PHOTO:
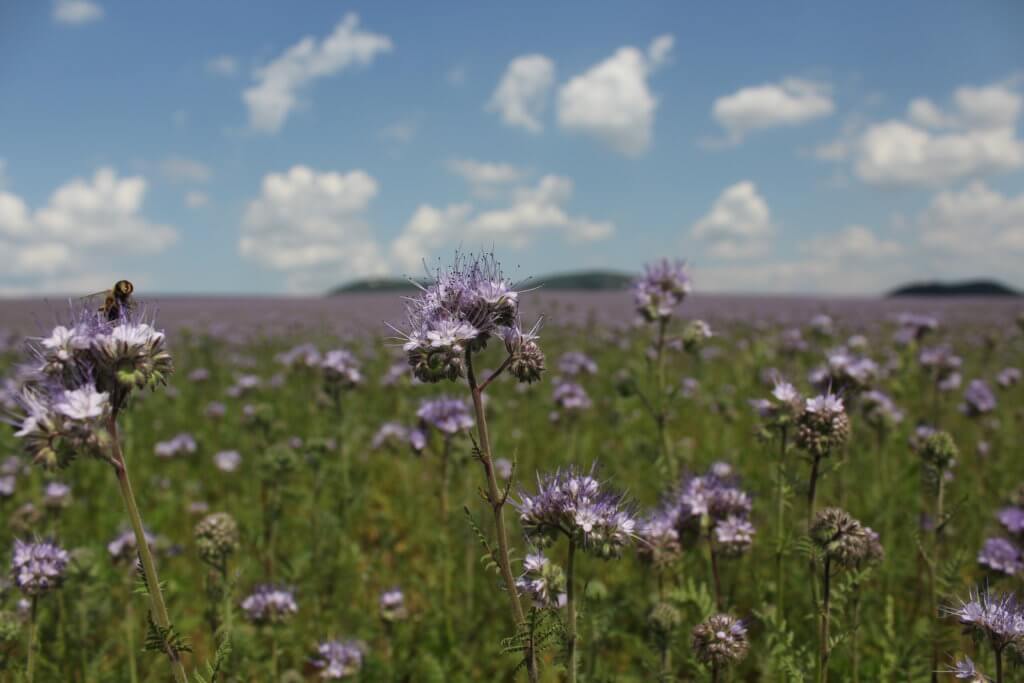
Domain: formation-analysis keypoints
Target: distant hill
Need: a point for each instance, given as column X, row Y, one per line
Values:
column 591, row 280
column 965, row 288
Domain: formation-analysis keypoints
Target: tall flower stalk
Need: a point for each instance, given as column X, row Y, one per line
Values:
column 456, row 314
column 79, row 382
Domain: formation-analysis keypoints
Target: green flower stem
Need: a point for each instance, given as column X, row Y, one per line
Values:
column 497, row 501
column 145, row 554
column 33, row 632
column 823, row 632
column 780, row 529
column 570, row 608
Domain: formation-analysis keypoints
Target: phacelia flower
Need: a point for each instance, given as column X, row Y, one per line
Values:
column 661, row 289
column 577, row 504
column 303, row 355
column 1001, row 556
column 8, row 484
column 695, row 335
column 574, row 363
column 227, row 461
column 965, row 670
column 842, row 538
column 658, row 537
column 445, row 414
column 341, row 369
column 1008, row 377
column 526, row 359
column 879, row 410
column 720, row 640
column 1013, row 519
column 123, row 548
column 823, row 425
column 734, row 535
column 270, row 604
column 337, row 659
column 392, row 605
column 183, row 443
column 978, row 399
column 56, row 424
column 56, row 495
column 570, row 397
column 217, row 538
column 996, row 617
column 542, row 580
column 37, row 568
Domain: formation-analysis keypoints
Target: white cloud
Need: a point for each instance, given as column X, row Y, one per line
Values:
column 182, row 170
column 84, row 222
column 852, row 242
column 534, row 213
column 522, row 94
column 223, row 65
column 275, row 94
column 76, row 11
column 486, row 179
column 311, row 224
column 400, row 131
column 196, row 200
column 976, row 137
column 456, row 76
column 738, row 224
column 974, row 221
column 790, row 102
column 612, row 102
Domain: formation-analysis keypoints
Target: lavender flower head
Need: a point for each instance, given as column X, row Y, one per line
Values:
column 1001, row 556
column 996, row 617
column 56, row 495
column 37, row 568
column 1008, row 377
column 570, row 397
column 1013, row 519
column 390, row 433
column 578, row 505
column 662, row 288
column 227, row 461
column 879, row 410
column 965, row 670
column 337, row 659
column 341, row 369
column 270, row 604
column 823, row 425
column 658, row 537
column 734, row 535
column 123, row 548
column 781, row 408
column 720, row 640
column 978, row 399
column 573, row 363
column 392, row 605
column 178, row 444
column 445, row 414
column 8, row 483
column 542, row 580
column 458, row 311
column 56, row 424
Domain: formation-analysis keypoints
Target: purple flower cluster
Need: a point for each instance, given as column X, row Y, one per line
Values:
column 183, row 443
column 445, row 414
column 579, row 506
column 123, row 548
column 337, row 659
column 227, row 461
column 341, row 369
column 542, row 580
column 943, row 364
column 303, row 355
column 714, row 504
column 823, row 425
column 458, row 312
column 573, row 363
column 965, row 670
column 392, row 605
column 998, row 618
column 1013, row 519
column 570, row 397
column 38, row 567
column 914, row 326
column 1008, row 377
column 270, row 604
column 781, row 408
column 661, row 289
column 879, row 410
column 1000, row 555
column 978, row 399
column 845, row 372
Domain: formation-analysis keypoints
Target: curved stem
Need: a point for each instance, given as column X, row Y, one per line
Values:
column 156, row 597
column 823, row 647
column 570, row 606
column 497, row 500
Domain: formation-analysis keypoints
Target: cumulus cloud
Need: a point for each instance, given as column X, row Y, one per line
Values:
column 83, row 221
column 852, row 242
column 196, row 200
column 522, row 94
column 791, row 102
column 533, row 213
column 975, row 136
column 182, row 170
column 307, row 222
column 612, row 102
column 486, row 179
column 223, row 65
column 974, row 221
column 275, row 93
column 738, row 224
column 76, row 11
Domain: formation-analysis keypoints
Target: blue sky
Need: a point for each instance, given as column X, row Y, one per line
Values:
column 243, row 147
